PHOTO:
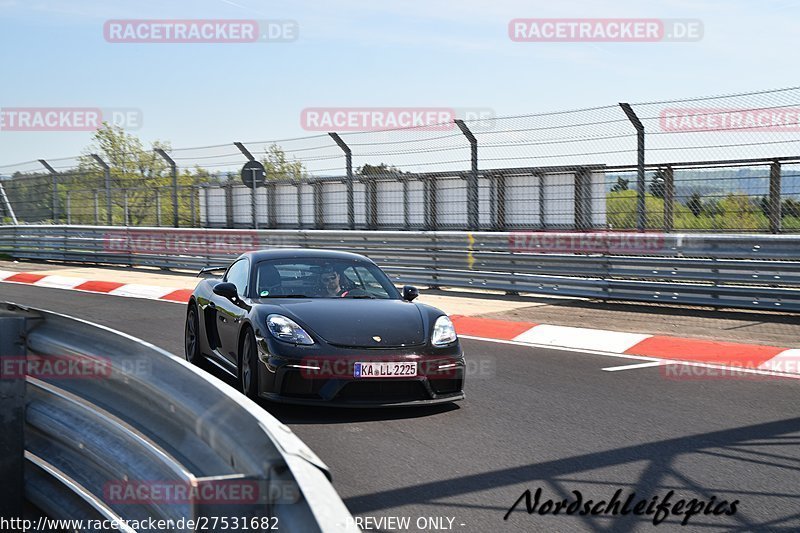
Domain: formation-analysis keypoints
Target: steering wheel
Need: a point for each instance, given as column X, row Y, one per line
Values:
column 354, row 292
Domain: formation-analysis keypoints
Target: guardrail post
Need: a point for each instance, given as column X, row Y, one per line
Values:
column 54, row 188
column 174, row 168
column 472, row 180
column 641, row 215
column 107, row 173
column 775, row 214
column 669, row 199
column 348, row 157
column 583, row 199
column 12, row 411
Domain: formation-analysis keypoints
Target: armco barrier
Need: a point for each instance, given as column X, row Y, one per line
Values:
column 117, row 429
column 719, row 270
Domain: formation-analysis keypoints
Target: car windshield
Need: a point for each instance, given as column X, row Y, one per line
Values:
column 322, row 278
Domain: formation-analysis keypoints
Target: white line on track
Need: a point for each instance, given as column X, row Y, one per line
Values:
column 728, row 369
column 649, row 364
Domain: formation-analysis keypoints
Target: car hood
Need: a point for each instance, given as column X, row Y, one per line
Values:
column 357, row 323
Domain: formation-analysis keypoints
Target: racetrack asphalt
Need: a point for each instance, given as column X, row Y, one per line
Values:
column 533, row 418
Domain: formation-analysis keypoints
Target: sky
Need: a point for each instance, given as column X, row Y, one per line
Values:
column 361, row 53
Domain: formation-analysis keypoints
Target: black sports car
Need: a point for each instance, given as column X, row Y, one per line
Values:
column 323, row 327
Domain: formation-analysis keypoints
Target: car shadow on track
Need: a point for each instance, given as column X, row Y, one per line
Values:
column 301, row 414
column 730, row 464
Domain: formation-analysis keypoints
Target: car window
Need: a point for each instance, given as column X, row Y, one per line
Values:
column 238, row 274
column 322, row 278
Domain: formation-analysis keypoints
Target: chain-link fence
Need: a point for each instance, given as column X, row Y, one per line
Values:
column 722, row 163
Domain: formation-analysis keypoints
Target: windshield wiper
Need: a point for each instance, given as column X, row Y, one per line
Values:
column 362, row 296
column 286, row 296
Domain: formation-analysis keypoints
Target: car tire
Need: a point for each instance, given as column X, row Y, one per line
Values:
column 191, row 335
column 248, row 365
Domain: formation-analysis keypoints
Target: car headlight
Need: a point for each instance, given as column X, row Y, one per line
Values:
column 287, row 330
column 443, row 332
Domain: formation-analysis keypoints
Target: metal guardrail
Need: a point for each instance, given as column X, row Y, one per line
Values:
column 115, row 429
column 720, row 270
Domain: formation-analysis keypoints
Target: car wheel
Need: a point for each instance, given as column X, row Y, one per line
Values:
column 248, row 366
column 192, row 337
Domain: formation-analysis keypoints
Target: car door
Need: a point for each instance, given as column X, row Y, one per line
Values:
column 230, row 313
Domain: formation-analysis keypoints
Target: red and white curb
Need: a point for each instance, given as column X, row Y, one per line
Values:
column 132, row 290
column 650, row 350
column 655, row 350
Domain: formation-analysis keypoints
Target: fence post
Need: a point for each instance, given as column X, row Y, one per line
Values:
column 125, row 210
column 69, row 208
column 96, row 207
column 348, row 157
column 253, row 197
column 542, row 201
column 192, row 206
column 54, row 185
column 583, row 199
column 500, row 202
column 430, row 202
column 669, row 199
column 319, row 216
column 406, row 200
column 775, row 215
column 174, row 168
column 371, row 191
column 158, row 207
column 272, row 204
column 107, row 172
column 641, row 215
column 472, row 181
column 12, row 410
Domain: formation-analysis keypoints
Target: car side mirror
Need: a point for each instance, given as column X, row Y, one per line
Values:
column 410, row 292
column 226, row 290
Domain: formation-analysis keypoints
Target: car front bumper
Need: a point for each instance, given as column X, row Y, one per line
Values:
column 325, row 376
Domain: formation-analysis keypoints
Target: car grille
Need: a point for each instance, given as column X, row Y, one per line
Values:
column 383, row 390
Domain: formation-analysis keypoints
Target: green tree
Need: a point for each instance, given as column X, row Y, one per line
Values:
column 658, row 185
column 136, row 173
column 379, row 170
column 279, row 167
column 695, row 204
column 621, row 185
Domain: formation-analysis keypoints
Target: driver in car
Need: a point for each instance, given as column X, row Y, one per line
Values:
column 331, row 282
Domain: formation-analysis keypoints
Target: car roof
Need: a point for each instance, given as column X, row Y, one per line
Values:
column 290, row 253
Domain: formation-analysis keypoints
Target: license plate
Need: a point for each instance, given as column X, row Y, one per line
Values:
column 384, row 370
